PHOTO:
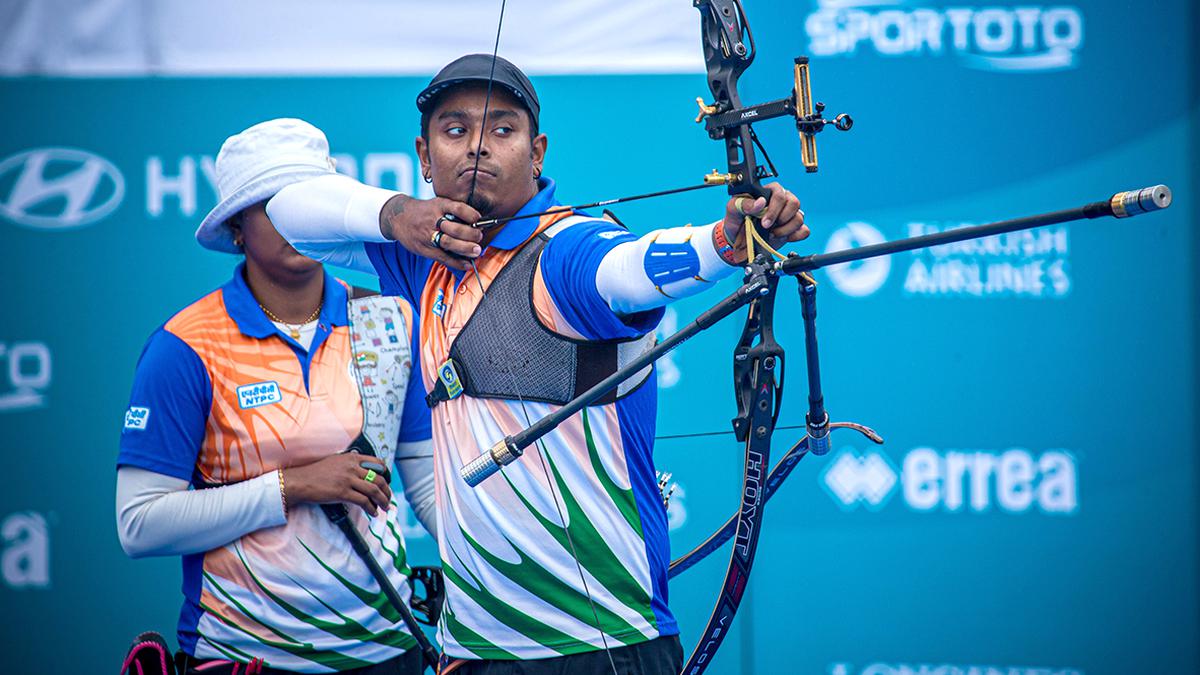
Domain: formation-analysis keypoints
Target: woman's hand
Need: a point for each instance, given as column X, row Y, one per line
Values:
column 338, row 478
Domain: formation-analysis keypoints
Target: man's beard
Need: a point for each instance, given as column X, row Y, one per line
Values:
column 482, row 204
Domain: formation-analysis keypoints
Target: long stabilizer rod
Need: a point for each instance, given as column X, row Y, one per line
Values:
column 1120, row 205
column 506, row 451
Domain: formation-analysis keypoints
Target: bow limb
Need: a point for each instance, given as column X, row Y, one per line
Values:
column 780, row 473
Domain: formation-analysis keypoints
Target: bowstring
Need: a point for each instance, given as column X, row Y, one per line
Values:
column 512, row 376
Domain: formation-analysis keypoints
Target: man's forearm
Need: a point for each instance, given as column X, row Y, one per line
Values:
column 660, row 267
column 390, row 214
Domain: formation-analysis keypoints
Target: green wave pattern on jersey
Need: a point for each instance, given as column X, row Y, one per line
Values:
column 597, row 558
column 345, row 629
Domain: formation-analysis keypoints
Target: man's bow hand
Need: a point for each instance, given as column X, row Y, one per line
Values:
column 435, row 228
column 781, row 218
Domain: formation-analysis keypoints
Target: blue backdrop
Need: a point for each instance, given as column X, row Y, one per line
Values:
column 1034, row 509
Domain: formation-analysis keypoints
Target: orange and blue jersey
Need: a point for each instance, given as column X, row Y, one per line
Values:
column 222, row 396
column 513, row 588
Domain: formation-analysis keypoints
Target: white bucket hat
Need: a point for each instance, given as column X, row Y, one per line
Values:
column 255, row 164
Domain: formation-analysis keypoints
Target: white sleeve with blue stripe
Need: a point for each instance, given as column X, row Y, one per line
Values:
column 665, row 265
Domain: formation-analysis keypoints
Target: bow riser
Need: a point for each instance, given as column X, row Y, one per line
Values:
column 728, row 50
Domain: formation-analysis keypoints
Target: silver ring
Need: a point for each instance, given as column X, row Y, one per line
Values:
column 436, row 239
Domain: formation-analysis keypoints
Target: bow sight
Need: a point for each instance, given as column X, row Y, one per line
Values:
column 725, row 34
column 808, row 115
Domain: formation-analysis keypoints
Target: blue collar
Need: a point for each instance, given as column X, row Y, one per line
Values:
column 517, row 231
column 243, row 308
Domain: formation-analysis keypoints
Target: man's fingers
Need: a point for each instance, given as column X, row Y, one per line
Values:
column 790, row 217
column 463, row 212
column 738, row 207
column 452, row 244
column 793, row 231
column 778, row 209
column 461, row 231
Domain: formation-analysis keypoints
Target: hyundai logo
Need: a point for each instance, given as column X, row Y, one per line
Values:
column 58, row 188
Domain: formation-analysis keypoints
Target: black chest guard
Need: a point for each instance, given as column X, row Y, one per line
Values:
column 504, row 351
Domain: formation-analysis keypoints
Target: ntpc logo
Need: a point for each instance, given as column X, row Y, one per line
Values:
column 1014, row 480
column 27, row 372
column 1025, row 38
column 58, row 188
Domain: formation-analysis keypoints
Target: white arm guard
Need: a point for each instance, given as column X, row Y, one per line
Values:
column 662, row 266
column 328, row 219
column 159, row 515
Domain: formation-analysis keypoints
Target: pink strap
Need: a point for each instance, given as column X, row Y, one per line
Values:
column 132, row 655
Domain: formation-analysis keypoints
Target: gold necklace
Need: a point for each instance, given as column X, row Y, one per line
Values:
column 294, row 330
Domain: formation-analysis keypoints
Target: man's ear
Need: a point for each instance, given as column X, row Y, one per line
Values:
column 537, row 152
column 423, row 158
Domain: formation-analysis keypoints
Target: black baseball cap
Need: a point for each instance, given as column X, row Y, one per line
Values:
column 478, row 68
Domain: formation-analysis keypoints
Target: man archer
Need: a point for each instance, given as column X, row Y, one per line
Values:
column 559, row 564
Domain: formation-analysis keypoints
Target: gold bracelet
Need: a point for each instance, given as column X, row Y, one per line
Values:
column 282, row 493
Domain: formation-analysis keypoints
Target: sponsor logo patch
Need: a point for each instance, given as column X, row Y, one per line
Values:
column 136, row 418
column 449, row 377
column 258, row 394
column 439, row 304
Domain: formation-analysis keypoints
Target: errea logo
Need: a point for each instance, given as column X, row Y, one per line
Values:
column 25, row 550
column 867, row 479
column 58, row 188
column 258, row 394
column 956, row 481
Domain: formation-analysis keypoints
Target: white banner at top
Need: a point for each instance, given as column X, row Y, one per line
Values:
column 131, row 38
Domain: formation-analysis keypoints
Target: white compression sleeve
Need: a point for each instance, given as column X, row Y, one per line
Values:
column 414, row 462
column 158, row 515
column 662, row 266
column 328, row 219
